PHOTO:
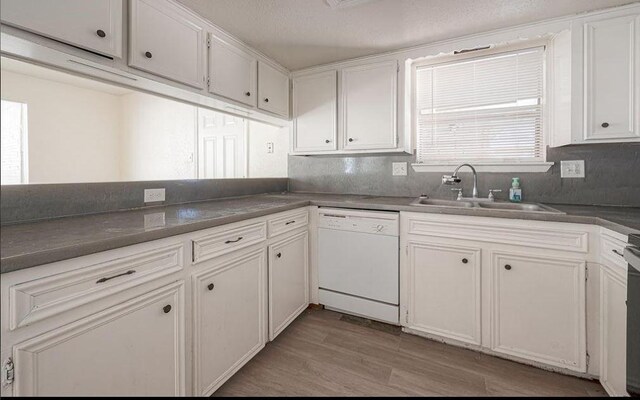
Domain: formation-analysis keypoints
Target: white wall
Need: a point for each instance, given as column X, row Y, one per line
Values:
column 261, row 163
column 72, row 131
column 158, row 138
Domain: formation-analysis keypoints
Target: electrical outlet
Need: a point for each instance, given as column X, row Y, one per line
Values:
column 399, row 168
column 153, row 195
column 269, row 147
column 572, row 169
column 154, row 220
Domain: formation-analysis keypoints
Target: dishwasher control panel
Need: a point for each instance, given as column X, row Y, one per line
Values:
column 374, row 222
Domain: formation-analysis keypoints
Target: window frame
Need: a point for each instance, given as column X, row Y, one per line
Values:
column 24, row 140
column 489, row 165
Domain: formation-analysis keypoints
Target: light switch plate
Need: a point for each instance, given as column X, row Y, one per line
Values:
column 153, row 195
column 572, row 169
column 399, row 169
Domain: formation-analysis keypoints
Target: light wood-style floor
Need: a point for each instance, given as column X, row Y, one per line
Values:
column 324, row 353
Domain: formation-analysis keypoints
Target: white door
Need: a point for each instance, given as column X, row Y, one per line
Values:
column 288, row 281
column 369, row 97
column 444, row 294
column 229, row 317
column 132, row 349
column 612, row 79
column 221, row 145
column 613, row 332
column 315, row 120
column 273, row 90
column 232, row 72
column 538, row 309
column 94, row 25
column 166, row 41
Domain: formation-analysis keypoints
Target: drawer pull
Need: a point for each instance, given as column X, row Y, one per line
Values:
column 166, row 309
column 102, row 280
column 101, row 33
column 464, row 261
column 279, row 255
column 605, row 125
column 617, row 252
column 507, row 267
column 234, row 241
column 148, row 54
column 210, row 286
column 290, row 222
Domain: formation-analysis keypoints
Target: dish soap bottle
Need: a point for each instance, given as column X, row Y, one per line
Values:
column 515, row 193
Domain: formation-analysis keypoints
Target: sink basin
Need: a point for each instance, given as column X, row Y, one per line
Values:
column 529, row 207
column 515, row 207
column 421, row 201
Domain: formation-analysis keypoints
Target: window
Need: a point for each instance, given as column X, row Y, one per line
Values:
column 13, row 134
column 486, row 109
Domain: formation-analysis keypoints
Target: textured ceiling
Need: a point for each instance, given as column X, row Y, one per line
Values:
column 303, row 33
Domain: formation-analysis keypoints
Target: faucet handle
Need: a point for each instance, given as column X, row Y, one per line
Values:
column 459, row 193
column 492, row 191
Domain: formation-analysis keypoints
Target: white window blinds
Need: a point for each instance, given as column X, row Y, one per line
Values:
column 481, row 109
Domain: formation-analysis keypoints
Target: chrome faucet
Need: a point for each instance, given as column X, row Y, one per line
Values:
column 453, row 179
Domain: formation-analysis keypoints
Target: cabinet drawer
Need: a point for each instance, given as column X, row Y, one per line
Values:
column 611, row 249
column 226, row 240
column 45, row 297
column 288, row 222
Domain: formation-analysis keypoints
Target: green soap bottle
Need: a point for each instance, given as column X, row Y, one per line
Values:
column 515, row 193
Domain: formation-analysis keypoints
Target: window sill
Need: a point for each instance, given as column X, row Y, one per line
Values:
column 446, row 166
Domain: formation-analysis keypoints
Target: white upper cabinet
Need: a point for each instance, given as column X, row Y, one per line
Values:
column 232, row 72
column 612, row 74
column 94, row 25
column 315, row 109
column 273, row 90
column 166, row 41
column 368, row 102
column 538, row 309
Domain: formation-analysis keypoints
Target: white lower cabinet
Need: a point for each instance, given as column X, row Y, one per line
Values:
column 136, row 348
column 288, row 280
column 229, row 317
column 538, row 309
column 444, row 290
column 613, row 331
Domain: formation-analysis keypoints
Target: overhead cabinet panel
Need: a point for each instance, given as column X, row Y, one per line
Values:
column 166, row 41
column 612, row 74
column 232, row 72
column 273, row 90
column 94, row 25
column 369, row 102
column 315, row 112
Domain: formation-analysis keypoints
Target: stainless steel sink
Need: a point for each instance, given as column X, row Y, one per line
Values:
column 423, row 201
column 529, row 207
column 492, row 205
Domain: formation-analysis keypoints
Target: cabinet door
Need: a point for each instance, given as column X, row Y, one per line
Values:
column 273, row 90
column 232, row 72
column 445, row 291
column 229, row 318
column 314, row 111
column 94, row 25
column 369, row 97
column 165, row 41
column 613, row 332
column 612, row 79
column 538, row 309
column 288, row 281
column 133, row 349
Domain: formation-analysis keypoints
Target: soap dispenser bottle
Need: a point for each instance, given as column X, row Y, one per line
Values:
column 515, row 193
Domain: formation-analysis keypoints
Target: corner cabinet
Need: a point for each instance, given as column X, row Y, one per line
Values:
column 92, row 25
column 232, row 72
column 136, row 348
column 273, row 90
column 166, row 41
column 315, row 112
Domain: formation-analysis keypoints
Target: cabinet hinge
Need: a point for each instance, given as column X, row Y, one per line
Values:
column 8, row 372
column 406, row 316
column 208, row 82
column 586, row 274
column 208, row 43
column 193, row 251
column 588, row 360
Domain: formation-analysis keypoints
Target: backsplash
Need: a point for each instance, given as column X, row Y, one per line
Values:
column 32, row 202
column 612, row 177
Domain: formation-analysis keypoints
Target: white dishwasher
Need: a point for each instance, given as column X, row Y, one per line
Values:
column 358, row 259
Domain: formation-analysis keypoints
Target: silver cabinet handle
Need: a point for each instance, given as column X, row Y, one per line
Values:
column 290, row 222
column 233, row 241
column 617, row 252
column 102, row 280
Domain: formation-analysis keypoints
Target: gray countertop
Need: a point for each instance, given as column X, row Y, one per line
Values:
column 30, row 244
